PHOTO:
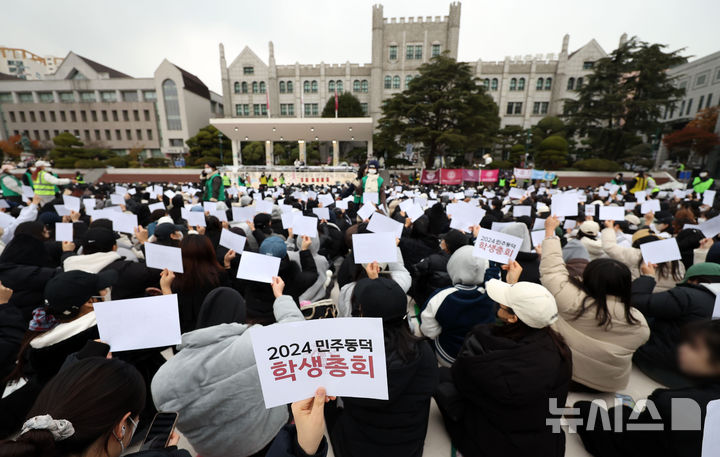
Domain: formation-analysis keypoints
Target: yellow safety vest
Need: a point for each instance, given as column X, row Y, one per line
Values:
column 42, row 187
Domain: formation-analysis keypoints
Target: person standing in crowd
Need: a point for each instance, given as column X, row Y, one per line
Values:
column 371, row 183
column 79, row 177
column 44, row 182
column 487, row 402
column 597, row 319
column 10, row 185
column 452, row 312
column 397, row 426
column 212, row 184
column 702, row 182
column 618, row 180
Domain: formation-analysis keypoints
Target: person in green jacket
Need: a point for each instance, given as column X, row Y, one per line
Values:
column 281, row 179
column 212, row 183
column 702, row 182
column 11, row 186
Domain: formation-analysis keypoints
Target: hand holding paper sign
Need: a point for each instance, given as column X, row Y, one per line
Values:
column 309, row 416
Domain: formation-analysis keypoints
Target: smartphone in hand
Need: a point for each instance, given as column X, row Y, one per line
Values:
column 160, row 430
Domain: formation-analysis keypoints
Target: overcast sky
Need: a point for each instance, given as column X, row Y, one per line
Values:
column 134, row 36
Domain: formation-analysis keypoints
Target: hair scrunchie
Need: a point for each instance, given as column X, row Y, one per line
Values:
column 60, row 428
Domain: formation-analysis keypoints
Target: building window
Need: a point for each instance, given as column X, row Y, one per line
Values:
column 392, row 52
column 408, row 78
column 126, row 115
column 244, row 87
column 306, row 87
column 521, row 84
column 262, row 87
column 67, row 97
column 6, row 97
column 236, row 87
column 289, row 87
column 513, row 84
column 682, row 108
column 149, row 134
column 588, row 65
column 514, row 108
column 331, row 86
column 435, row 50
column 388, row 82
column 709, row 101
column 118, row 135
column 311, row 109
column 42, row 116
column 700, row 80
column 256, row 109
column 146, row 113
column 364, row 107
column 314, row 87
column 571, row 84
column 409, row 52
column 418, row 52
column 248, row 70
column 83, row 116
column 396, row 82
column 287, row 109
column 579, row 83
column 25, row 97
column 282, row 87
column 52, row 116
column 689, row 106
column 138, row 134
column 494, row 84
column 87, row 96
column 364, row 85
column 129, row 95
column 255, row 87
column 172, row 105
column 149, row 95
column 548, row 83
column 108, row 96
column 12, row 116
column 238, row 110
column 540, row 84
column 486, row 83
column 540, row 107
column 339, row 85
column 700, row 102
column 356, row 85
column 63, row 116
column 47, row 97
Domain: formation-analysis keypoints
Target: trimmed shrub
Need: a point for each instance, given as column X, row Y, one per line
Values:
column 597, row 165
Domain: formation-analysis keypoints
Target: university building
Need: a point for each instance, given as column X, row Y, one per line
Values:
column 106, row 108
column 24, row 64
column 526, row 88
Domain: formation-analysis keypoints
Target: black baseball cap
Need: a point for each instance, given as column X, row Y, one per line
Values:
column 163, row 231
column 99, row 240
column 67, row 292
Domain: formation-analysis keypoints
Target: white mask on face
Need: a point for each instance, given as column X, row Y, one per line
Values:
column 372, row 171
column 33, row 168
column 703, row 174
column 208, row 170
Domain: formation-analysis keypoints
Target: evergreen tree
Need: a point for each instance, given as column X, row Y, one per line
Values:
column 348, row 106
column 205, row 146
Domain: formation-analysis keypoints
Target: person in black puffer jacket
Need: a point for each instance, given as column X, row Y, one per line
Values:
column 430, row 274
column 487, row 401
column 397, row 426
column 667, row 313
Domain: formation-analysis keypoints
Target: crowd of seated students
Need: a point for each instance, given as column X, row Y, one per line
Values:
column 492, row 343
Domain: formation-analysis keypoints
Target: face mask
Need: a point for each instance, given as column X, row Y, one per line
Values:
column 703, row 174
column 33, row 168
column 372, row 171
column 701, row 219
column 208, row 170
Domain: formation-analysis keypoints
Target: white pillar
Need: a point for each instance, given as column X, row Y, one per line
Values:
column 236, row 153
column 301, row 151
column 336, row 153
column 370, row 148
column 269, row 153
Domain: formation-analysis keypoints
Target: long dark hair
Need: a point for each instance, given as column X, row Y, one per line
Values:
column 400, row 340
column 519, row 330
column 93, row 395
column 200, row 265
column 707, row 331
column 666, row 270
column 603, row 277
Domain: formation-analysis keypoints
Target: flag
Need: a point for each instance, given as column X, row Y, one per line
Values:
column 451, row 176
column 522, row 173
column 336, row 103
column 537, row 174
column 429, row 177
column 489, row 175
column 471, row 175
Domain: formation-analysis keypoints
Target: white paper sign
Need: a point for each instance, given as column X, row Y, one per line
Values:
column 71, row 203
column 89, row 203
column 322, row 213
column 344, row 355
column 304, row 225
column 117, row 199
column 232, row 241
column 650, row 206
column 63, row 231
column 6, row 220
column 519, row 211
column 371, row 247
column 711, row 437
column 61, row 210
column 258, row 267
column 516, row 194
column 711, row 227
column 263, row 206
column 366, row 211
column 139, row 323
column 371, row 197
column 27, row 192
column 414, row 212
column 708, row 197
column 161, row 257
column 537, row 237
column 612, row 213
column 380, row 223
column 156, row 206
column 123, row 222
column 496, row 246
column 242, row 214
column 539, row 224
column 661, row 251
column 564, row 205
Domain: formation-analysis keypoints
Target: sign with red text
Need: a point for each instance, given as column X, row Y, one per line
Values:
column 344, row 355
column 496, row 246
